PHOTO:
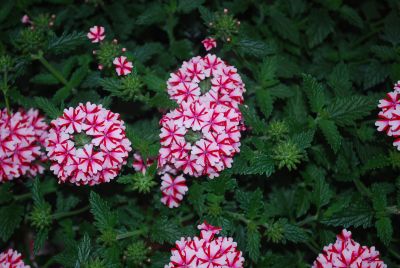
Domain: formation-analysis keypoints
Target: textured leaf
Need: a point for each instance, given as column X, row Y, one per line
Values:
column 66, row 42
column 104, row 217
column 253, row 242
column 284, row 26
column 344, row 111
column 355, row 216
column 315, row 93
column 294, row 233
column 319, row 29
column 264, row 101
column 385, row 230
column 48, row 107
column 331, row 133
column 10, row 219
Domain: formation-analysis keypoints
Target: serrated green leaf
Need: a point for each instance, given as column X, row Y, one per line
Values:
column 284, row 26
column 351, row 16
column 384, row 228
column 40, row 239
column 295, row 233
column 104, row 217
column 66, row 42
column 355, row 216
column 318, row 29
column 264, row 101
column 315, row 93
column 10, row 219
column 344, row 111
column 253, row 242
column 331, row 134
column 48, row 107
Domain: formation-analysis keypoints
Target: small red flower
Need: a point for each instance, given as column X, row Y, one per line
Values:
column 96, row 34
column 209, row 43
column 12, row 259
column 122, row 65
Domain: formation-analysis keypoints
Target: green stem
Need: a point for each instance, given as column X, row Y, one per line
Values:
column 130, row 234
column 394, row 253
column 5, row 92
column 50, row 68
column 22, row 197
column 308, row 220
column 60, row 215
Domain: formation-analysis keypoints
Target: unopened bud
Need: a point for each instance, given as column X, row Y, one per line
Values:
column 123, row 49
column 115, row 41
column 228, row 39
column 94, row 52
column 225, row 10
column 51, row 24
column 53, row 16
column 100, row 67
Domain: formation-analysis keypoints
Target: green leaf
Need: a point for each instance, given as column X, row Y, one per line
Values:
column 331, row 134
column 303, row 139
column 322, row 193
column 101, row 210
column 264, row 101
column 374, row 74
column 385, row 230
column 344, row 111
column 284, row 26
column 318, row 29
column 356, row 215
column 10, row 219
column 66, row 42
column 295, row 233
column 48, row 107
column 83, row 251
column 164, row 230
column 206, row 15
column 44, row 79
column 339, row 80
column 251, row 202
column 145, row 52
column 186, row 6
column 315, row 93
column 251, row 119
column 351, row 16
column 253, row 242
column 255, row 48
column 40, row 238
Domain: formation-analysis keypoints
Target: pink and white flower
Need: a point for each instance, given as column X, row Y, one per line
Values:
column 96, row 34
column 103, row 145
column 12, row 259
column 209, row 43
column 21, row 136
column 173, row 190
column 122, row 65
column 346, row 252
column 25, row 19
column 206, row 251
column 139, row 165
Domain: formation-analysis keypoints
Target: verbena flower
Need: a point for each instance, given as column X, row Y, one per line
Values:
column 21, row 136
column 202, row 135
column 209, row 43
column 173, row 190
column 87, row 145
column 206, row 251
column 122, row 65
column 389, row 116
column 139, row 165
column 96, row 34
column 345, row 252
column 12, row 259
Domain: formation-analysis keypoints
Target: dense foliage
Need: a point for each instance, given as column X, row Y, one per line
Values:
column 311, row 161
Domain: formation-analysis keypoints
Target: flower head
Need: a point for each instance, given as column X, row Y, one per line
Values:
column 87, row 145
column 345, row 252
column 96, row 34
column 122, row 65
column 206, row 250
column 21, row 136
column 173, row 190
column 209, row 43
column 12, row 259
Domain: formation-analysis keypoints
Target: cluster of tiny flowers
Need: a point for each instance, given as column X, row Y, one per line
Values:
column 214, row 118
column 139, row 165
column 21, row 135
column 206, row 251
column 389, row 116
column 123, row 67
column 12, row 259
column 173, row 189
column 348, row 253
column 101, row 158
column 209, row 43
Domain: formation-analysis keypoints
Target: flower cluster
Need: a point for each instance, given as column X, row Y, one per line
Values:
column 389, row 116
column 21, row 135
column 173, row 190
column 209, row 43
column 206, row 251
column 348, row 253
column 123, row 67
column 87, row 145
column 202, row 135
column 12, row 259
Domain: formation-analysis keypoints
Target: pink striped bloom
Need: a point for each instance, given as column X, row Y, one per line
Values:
column 122, row 65
column 345, row 252
column 12, row 259
column 206, row 251
column 209, row 43
column 96, row 34
column 104, row 145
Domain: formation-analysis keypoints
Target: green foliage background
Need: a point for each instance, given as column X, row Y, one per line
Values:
column 311, row 161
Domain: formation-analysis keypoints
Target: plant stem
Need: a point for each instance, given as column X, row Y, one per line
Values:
column 394, row 253
column 60, row 215
column 130, row 234
column 308, row 220
column 50, row 68
column 5, row 91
